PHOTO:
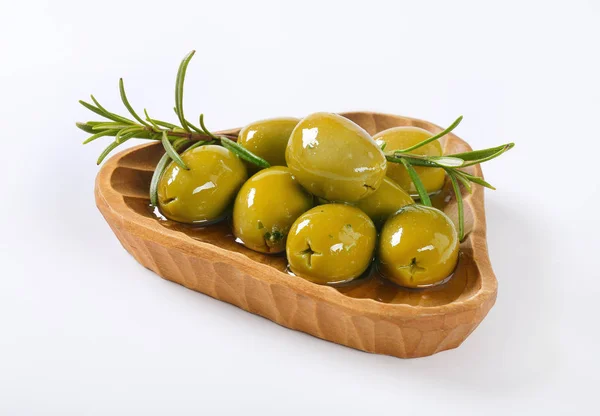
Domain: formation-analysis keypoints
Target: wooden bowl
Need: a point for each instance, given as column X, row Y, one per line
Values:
column 399, row 322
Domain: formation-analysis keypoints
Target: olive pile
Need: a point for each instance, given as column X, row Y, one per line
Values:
column 330, row 201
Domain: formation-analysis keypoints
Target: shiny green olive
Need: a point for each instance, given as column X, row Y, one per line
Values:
column 266, row 207
column 418, row 246
column 334, row 158
column 205, row 191
column 399, row 138
column 385, row 201
column 331, row 243
column 268, row 138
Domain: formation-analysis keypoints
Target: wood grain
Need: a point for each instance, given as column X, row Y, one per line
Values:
column 400, row 330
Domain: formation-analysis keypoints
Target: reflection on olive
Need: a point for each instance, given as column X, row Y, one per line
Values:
column 334, row 158
column 331, row 243
column 268, row 139
column 399, row 138
column 266, row 207
column 385, row 201
column 418, row 246
column 205, row 191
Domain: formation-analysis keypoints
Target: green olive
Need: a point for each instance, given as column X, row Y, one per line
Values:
column 266, row 207
column 268, row 138
column 418, row 246
column 331, row 243
column 399, row 138
column 205, row 191
column 385, row 201
column 334, row 158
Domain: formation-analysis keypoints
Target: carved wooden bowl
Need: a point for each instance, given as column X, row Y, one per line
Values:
column 374, row 316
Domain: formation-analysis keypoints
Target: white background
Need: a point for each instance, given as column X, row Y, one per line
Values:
column 85, row 330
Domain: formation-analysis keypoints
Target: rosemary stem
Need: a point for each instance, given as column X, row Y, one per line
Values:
column 189, row 135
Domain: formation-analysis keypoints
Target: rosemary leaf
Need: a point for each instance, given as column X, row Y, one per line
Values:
column 447, row 161
column 110, row 126
column 417, row 181
column 147, row 134
column 243, row 153
column 179, row 142
column 179, row 89
column 127, row 134
column 158, row 171
column 85, row 127
column 483, row 153
column 106, row 151
column 204, row 129
column 118, row 136
column 101, row 134
column 97, row 111
column 416, row 161
column 477, row 180
column 172, row 152
column 491, row 156
column 196, row 129
column 463, row 180
column 127, row 105
column 432, row 138
column 459, row 203
column 108, row 113
column 156, row 127
column 427, row 161
column 164, row 124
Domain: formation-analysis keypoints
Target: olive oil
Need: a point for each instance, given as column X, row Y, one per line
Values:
column 370, row 286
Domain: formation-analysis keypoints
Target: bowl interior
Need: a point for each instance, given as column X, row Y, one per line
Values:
column 131, row 179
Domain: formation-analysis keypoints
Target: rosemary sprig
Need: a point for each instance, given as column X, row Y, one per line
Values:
column 123, row 128
column 452, row 164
